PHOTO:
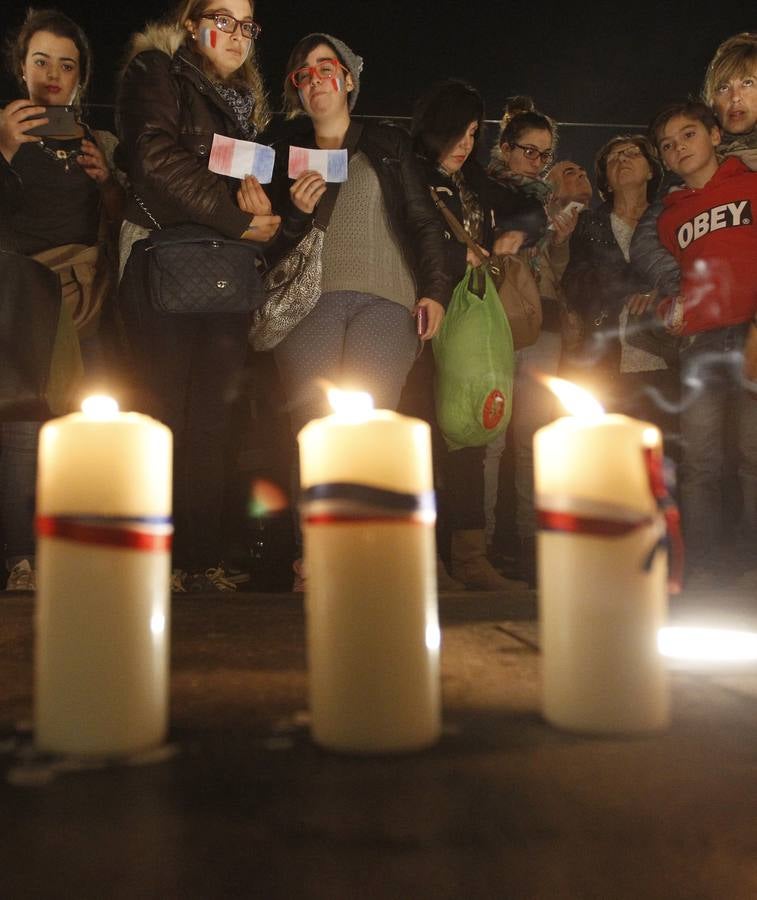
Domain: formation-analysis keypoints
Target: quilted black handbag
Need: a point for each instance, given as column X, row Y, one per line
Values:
column 192, row 269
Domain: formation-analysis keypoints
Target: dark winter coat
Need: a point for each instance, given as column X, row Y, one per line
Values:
column 412, row 215
column 598, row 279
column 504, row 208
column 167, row 113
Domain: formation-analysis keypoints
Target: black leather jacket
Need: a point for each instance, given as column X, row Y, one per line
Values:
column 503, row 208
column 412, row 215
column 167, row 113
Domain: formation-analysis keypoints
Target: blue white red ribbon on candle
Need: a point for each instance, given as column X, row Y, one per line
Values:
column 575, row 515
column 147, row 533
column 673, row 539
column 348, row 503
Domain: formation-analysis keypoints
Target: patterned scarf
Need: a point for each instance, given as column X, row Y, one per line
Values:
column 242, row 104
column 531, row 187
column 473, row 215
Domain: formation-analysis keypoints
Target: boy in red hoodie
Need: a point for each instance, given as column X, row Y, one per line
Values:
column 708, row 226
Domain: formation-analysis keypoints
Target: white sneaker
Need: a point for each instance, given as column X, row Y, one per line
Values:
column 22, row 577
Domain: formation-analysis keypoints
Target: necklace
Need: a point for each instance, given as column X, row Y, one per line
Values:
column 62, row 156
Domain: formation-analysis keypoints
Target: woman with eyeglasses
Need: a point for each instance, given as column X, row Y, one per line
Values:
column 525, row 150
column 186, row 80
column 604, row 286
column 383, row 256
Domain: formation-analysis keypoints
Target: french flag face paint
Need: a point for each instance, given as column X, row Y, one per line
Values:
column 208, row 37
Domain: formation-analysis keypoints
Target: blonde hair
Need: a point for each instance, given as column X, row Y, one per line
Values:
column 734, row 57
column 247, row 75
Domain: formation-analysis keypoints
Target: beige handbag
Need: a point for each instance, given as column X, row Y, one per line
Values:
column 85, row 279
column 517, row 289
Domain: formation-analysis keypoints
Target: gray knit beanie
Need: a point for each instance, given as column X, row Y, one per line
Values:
column 353, row 62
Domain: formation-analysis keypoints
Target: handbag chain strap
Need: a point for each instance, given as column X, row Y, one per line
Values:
column 141, row 204
column 326, row 206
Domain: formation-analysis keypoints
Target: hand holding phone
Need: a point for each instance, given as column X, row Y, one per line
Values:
column 61, row 123
column 13, row 125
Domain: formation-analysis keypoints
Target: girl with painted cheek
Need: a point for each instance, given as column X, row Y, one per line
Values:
column 187, row 80
column 59, row 203
column 383, row 256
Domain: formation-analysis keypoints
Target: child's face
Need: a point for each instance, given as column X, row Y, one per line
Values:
column 735, row 103
column 687, row 148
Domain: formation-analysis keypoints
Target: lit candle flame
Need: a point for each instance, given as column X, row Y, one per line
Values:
column 707, row 644
column 350, row 404
column 100, row 407
column 576, row 400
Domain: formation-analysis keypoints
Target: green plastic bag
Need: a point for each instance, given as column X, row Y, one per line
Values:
column 475, row 364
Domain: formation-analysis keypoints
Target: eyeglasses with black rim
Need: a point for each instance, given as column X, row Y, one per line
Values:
column 531, row 152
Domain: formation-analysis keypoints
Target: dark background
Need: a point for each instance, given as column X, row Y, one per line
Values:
column 589, row 64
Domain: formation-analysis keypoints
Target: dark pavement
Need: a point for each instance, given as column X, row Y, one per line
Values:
column 504, row 806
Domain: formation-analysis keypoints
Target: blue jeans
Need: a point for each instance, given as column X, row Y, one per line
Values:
column 713, row 397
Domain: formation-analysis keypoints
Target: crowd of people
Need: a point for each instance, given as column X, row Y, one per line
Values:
column 649, row 296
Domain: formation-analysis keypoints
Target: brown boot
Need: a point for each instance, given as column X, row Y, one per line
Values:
column 444, row 581
column 471, row 566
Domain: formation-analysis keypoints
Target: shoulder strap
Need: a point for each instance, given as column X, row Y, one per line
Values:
column 326, row 207
column 457, row 229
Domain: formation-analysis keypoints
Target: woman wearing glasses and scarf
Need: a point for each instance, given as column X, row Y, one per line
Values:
column 383, row 254
column 525, row 149
column 184, row 82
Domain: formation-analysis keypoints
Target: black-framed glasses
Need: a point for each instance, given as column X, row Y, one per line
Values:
column 531, row 152
column 323, row 69
column 228, row 24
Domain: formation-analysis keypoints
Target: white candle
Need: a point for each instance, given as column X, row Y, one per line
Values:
column 600, row 606
column 372, row 619
column 103, row 575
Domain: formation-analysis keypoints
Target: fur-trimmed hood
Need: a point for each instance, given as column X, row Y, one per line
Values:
column 166, row 38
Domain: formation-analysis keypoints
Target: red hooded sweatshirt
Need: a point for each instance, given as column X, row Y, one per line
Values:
column 712, row 233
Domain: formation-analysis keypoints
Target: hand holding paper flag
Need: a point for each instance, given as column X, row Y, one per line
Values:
column 332, row 164
column 229, row 156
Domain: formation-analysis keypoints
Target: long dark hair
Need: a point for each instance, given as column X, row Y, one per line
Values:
column 441, row 116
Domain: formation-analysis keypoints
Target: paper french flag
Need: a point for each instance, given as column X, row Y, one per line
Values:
column 229, row 156
column 332, row 164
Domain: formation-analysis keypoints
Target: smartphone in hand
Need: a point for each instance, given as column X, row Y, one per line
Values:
column 61, row 123
column 421, row 320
